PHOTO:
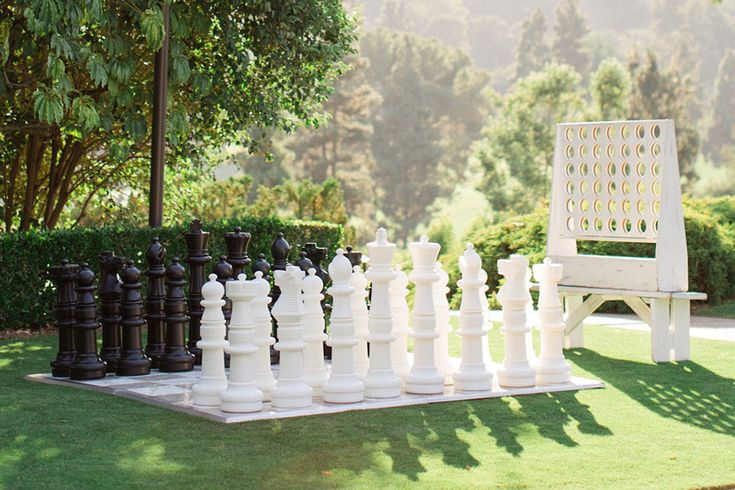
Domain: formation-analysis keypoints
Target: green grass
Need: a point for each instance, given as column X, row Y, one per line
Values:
column 654, row 426
column 724, row 310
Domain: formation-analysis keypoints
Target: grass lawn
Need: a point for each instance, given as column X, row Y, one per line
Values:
column 654, row 426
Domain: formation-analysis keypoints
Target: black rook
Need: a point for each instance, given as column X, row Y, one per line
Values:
column 63, row 277
column 197, row 258
column 87, row 364
column 155, row 302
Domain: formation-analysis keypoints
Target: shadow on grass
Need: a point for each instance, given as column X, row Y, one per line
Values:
column 684, row 391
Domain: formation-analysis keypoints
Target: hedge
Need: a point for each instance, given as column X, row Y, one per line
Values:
column 27, row 294
column 710, row 232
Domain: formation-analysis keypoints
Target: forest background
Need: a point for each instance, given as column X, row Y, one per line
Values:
column 447, row 115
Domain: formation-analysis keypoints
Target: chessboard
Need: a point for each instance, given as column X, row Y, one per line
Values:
column 173, row 391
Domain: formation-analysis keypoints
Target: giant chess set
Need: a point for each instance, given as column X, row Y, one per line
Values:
column 283, row 344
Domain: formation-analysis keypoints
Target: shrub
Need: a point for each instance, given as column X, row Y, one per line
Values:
column 28, row 294
column 710, row 242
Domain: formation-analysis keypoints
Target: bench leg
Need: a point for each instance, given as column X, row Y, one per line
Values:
column 575, row 338
column 680, row 328
column 660, row 330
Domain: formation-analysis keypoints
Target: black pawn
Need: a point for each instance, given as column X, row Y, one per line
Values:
column 155, row 302
column 223, row 270
column 280, row 249
column 177, row 357
column 263, row 266
column 133, row 361
column 237, row 243
column 63, row 278
column 197, row 258
column 110, row 293
column 87, row 364
column 304, row 263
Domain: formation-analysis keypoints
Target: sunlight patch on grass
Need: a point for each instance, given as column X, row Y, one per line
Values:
column 148, row 456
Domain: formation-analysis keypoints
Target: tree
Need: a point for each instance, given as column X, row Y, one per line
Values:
column 517, row 146
column 532, row 52
column 722, row 129
column 610, row 89
column 76, row 87
column 303, row 199
column 666, row 95
column 570, row 30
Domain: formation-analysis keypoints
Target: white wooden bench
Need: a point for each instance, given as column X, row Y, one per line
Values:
column 619, row 181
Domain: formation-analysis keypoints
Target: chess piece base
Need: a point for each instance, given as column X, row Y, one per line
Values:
column 559, row 373
column 425, row 384
column 88, row 370
column 346, row 390
column 133, row 367
column 517, row 377
column 478, row 379
column 61, row 366
column 111, row 355
column 241, row 399
column 155, row 352
column 291, row 395
column 208, row 392
column 382, row 385
column 177, row 364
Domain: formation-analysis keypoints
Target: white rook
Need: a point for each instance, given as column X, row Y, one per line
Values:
column 381, row 381
column 443, row 327
column 551, row 368
column 314, row 370
column 513, row 297
column 473, row 374
column 242, row 395
column 360, row 315
column 291, row 390
column 424, row 378
column 213, row 381
column 399, row 316
column 343, row 385
column 263, row 324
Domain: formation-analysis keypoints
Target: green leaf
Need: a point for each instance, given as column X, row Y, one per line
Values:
column 48, row 105
column 136, row 126
column 97, row 69
column 180, row 70
column 61, row 46
column 84, row 110
column 5, row 25
column 152, row 24
column 55, row 67
column 121, row 70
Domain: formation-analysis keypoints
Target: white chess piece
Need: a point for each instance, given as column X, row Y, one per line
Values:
column 443, row 327
column 213, row 381
column 343, row 385
column 486, row 320
column 291, row 390
column 263, row 324
column 242, row 394
column 551, row 367
column 516, row 371
column 473, row 374
column 424, row 378
column 315, row 372
column 381, row 381
column 399, row 316
column 360, row 314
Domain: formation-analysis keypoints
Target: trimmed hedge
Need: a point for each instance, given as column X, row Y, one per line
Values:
column 710, row 232
column 28, row 295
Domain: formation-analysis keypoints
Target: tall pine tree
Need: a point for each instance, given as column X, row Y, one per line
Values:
column 570, row 30
column 610, row 89
column 532, row 52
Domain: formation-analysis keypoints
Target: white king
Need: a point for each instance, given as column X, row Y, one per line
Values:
column 551, row 367
column 381, row 381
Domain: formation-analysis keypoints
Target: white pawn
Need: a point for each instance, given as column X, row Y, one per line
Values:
column 213, row 381
column 263, row 323
column 241, row 395
column 381, row 381
column 551, row 367
column 516, row 371
column 424, row 378
column 473, row 374
column 315, row 372
column 343, row 385
column 443, row 327
column 399, row 316
column 291, row 390
column 360, row 314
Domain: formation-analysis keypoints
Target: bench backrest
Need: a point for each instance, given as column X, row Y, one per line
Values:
column 618, row 181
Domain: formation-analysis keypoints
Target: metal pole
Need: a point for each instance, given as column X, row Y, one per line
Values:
column 158, row 140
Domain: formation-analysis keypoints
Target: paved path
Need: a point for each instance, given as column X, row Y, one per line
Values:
column 702, row 327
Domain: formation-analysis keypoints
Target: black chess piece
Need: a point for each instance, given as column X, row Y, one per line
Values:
column 132, row 361
column 63, row 278
column 197, row 258
column 223, row 270
column 304, row 263
column 155, row 302
column 263, row 266
column 354, row 257
column 318, row 254
column 110, row 293
column 87, row 364
column 237, row 242
column 280, row 249
column 177, row 357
